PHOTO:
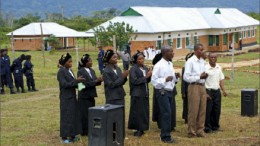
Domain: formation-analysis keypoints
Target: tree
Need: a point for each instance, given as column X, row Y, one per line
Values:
column 104, row 36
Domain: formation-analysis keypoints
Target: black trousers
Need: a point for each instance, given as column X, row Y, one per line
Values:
column 213, row 110
column 84, row 105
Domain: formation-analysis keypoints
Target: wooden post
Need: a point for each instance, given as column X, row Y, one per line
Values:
column 114, row 42
column 232, row 59
column 12, row 37
column 42, row 46
column 77, row 53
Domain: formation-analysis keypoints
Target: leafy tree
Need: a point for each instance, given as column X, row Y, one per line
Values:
column 104, row 36
column 254, row 15
column 53, row 41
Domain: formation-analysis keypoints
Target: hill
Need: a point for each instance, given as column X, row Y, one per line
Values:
column 19, row 8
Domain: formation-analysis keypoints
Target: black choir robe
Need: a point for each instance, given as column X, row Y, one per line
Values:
column 69, row 110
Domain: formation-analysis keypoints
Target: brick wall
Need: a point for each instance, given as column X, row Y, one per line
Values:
column 35, row 42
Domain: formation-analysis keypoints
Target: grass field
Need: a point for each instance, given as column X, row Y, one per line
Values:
column 32, row 119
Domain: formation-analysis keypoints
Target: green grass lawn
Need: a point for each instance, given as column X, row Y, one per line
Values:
column 32, row 119
column 241, row 57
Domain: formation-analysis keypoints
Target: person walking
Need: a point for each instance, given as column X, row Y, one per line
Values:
column 70, row 125
column 87, row 95
column 163, row 79
column 213, row 84
column 195, row 75
column 139, row 78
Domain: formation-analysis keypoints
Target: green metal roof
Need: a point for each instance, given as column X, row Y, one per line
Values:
column 217, row 11
column 131, row 12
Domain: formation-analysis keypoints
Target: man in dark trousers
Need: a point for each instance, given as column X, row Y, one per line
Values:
column 6, row 76
column 213, row 84
column 28, row 72
column 17, row 70
column 164, row 79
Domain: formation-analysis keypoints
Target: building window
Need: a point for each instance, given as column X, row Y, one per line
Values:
column 241, row 34
column 224, row 39
column 169, row 42
column 159, row 36
column 195, row 40
column 244, row 34
column 236, row 37
column 213, row 40
column 187, row 41
column 253, row 33
column 248, row 34
column 159, row 44
column 178, row 45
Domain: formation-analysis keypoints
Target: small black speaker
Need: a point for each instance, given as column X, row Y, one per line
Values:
column 106, row 125
column 249, row 102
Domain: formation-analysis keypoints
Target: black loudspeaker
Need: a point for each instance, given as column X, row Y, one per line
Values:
column 106, row 125
column 249, row 102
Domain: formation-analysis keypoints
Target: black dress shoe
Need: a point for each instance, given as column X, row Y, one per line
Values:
column 138, row 133
column 168, row 140
column 208, row 131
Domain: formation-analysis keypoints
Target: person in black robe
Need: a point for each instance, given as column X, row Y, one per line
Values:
column 69, row 110
column 88, row 94
column 114, row 79
column 184, row 93
column 139, row 76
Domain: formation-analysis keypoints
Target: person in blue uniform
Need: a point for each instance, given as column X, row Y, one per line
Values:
column 70, row 125
column 17, row 70
column 28, row 72
column 139, row 78
column 100, row 59
column 88, row 94
column 6, row 75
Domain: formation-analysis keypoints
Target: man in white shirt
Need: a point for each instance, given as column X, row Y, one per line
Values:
column 197, row 97
column 163, row 79
column 214, row 82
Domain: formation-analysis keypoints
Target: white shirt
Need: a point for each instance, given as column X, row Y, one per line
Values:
column 215, row 75
column 194, row 67
column 161, row 71
column 71, row 73
column 88, row 70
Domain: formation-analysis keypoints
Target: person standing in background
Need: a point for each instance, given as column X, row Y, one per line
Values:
column 28, row 72
column 184, row 92
column 87, row 95
column 100, row 59
column 6, row 75
column 17, row 70
column 195, row 75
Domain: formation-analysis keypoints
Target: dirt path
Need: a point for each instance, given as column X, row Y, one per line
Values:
column 239, row 64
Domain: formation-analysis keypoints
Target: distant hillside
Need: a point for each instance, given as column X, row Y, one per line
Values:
column 19, row 8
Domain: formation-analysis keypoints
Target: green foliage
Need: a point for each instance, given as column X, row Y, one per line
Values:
column 54, row 42
column 104, row 36
column 254, row 15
